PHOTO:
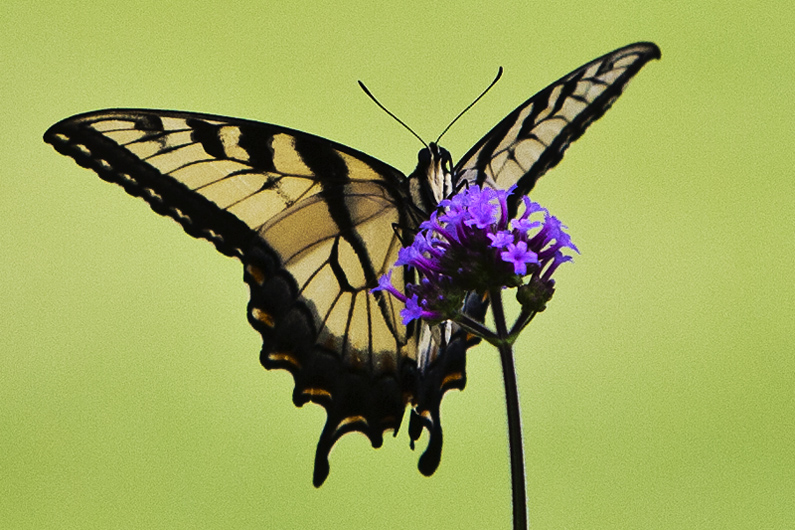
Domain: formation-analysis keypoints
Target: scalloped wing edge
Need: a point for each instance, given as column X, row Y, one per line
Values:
column 355, row 399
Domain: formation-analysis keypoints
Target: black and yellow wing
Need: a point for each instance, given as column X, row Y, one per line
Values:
column 311, row 220
column 532, row 138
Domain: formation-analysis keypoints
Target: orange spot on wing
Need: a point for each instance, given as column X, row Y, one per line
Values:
column 284, row 357
column 452, row 378
column 262, row 316
column 256, row 273
column 350, row 420
column 316, row 393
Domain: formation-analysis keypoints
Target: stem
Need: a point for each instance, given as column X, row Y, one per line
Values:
column 476, row 328
column 523, row 320
column 518, row 495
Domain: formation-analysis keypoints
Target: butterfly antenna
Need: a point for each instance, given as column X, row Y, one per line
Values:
column 393, row 116
column 499, row 74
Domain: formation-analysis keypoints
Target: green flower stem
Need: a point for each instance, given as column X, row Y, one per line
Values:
column 518, row 491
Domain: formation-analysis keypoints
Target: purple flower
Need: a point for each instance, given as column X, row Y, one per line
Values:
column 502, row 199
column 466, row 246
column 501, row 239
column 523, row 226
column 557, row 260
column 483, row 214
column 519, row 256
column 412, row 311
column 385, row 284
column 553, row 230
column 531, row 207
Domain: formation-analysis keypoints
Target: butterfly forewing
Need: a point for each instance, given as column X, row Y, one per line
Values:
column 533, row 138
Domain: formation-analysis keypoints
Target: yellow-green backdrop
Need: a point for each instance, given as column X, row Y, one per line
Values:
column 658, row 389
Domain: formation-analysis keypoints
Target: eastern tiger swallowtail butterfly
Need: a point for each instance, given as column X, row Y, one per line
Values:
column 314, row 223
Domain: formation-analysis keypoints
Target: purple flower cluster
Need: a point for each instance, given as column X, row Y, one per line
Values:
column 470, row 244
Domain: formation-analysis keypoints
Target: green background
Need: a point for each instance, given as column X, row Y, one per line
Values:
column 658, row 389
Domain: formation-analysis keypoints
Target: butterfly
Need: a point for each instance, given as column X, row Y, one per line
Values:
column 315, row 223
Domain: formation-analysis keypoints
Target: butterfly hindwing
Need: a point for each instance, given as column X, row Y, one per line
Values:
column 532, row 138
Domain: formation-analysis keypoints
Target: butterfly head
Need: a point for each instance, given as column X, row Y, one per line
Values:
column 432, row 181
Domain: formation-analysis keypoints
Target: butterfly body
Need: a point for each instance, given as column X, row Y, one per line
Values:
column 314, row 223
column 433, row 178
